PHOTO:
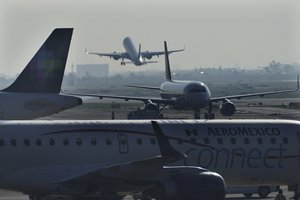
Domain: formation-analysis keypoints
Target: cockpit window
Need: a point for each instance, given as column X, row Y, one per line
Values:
column 195, row 88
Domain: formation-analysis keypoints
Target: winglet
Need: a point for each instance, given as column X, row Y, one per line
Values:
column 167, row 63
column 45, row 71
column 165, row 147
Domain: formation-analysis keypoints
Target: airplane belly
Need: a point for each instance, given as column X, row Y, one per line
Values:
column 130, row 49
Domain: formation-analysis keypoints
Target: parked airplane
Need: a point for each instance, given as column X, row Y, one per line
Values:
column 35, row 92
column 193, row 95
column 161, row 159
column 137, row 58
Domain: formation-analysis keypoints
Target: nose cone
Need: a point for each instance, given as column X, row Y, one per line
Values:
column 197, row 94
column 206, row 185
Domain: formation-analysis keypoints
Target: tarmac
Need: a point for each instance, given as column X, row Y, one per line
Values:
column 95, row 109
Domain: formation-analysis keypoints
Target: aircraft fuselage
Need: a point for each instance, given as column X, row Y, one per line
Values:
column 38, row 154
column 188, row 94
column 132, row 52
column 18, row 105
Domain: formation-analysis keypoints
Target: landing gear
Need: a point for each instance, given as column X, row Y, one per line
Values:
column 122, row 62
column 296, row 190
column 32, row 197
column 209, row 116
column 248, row 195
column 197, row 114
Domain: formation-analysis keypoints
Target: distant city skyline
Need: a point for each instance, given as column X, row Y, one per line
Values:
column 214, row 32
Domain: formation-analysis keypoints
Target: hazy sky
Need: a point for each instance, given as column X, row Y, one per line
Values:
column 215, row 32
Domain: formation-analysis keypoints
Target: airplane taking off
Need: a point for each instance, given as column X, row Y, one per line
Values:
column 180, row 95
column 137, row 58
column 167, row 159
column 36, row 91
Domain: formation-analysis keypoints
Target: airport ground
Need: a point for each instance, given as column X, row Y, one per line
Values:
column 10, row 195
column 262, row 108
column 94, row 108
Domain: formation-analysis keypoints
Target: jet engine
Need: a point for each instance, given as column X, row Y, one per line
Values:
column 116, row 57
column 227, row 108
column 148, row 56
column 204, row 185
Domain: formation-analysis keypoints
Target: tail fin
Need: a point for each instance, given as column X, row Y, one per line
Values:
column 167, row 63
column 140, row 46
column 44, row 72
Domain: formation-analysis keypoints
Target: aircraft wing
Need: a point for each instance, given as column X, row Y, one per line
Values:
column 142, row 168
column 260, row 94
column 143, row 87
column 114, row 55
column 149, row 54
column 126, row 98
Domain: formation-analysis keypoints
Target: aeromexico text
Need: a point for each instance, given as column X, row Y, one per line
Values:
column 243, row 131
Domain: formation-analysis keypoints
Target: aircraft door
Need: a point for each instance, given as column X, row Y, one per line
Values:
column 123, row 143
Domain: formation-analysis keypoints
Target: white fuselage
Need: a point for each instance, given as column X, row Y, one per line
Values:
column 188, row 94
column 132, row 52
column 17, row 105
column 37, row 154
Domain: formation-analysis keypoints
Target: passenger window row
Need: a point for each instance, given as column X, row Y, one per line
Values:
column 67, row 141
column 39, row 142
column 139, row 141
column 233, row 140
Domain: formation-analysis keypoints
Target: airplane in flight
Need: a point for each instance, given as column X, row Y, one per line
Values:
column 163, row 159
column 36, row 91
column 181, row 95
column 137, row 58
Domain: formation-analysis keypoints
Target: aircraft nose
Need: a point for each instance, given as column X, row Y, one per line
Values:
column 198, row 100
column 195, row 87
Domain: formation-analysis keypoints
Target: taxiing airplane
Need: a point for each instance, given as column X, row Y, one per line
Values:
column 36, row 91
column 168, row 159
column 137, row 58
column 193, row 95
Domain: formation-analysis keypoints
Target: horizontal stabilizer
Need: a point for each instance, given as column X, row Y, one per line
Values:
column 146, row 62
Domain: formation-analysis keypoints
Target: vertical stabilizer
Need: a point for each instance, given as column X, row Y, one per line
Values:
column 44, row 72
column 167, row 63
column 140, row 48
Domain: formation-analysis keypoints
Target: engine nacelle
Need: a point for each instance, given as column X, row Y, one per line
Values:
column 205, row 185
column 116, row 57
column 227, row 108
column 148, row 56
